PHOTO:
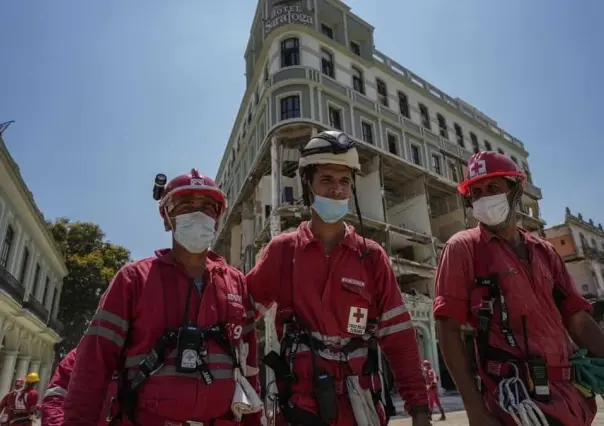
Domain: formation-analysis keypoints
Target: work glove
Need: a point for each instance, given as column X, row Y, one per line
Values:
column 245, row 398
column 588, row 373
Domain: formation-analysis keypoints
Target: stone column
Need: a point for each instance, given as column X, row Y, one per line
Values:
column 247, row 231
column 34, row 366
column 275, row 220
column 22, row 366
column 15, row 260
column 44, row 377
column 8, row 370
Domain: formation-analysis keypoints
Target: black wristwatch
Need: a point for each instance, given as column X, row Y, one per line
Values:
column 419, row 409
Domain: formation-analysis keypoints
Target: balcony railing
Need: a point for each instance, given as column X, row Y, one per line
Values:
column 11, row 285
column 592, row 253
column 37, row 308
column 532, row 191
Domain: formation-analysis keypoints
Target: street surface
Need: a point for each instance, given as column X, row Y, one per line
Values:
column 458, row 418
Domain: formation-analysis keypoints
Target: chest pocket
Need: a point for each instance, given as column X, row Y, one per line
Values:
column 234, row 315
column 354, row 301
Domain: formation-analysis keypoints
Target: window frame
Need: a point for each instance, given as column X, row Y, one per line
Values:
column 397, row 143
column 368, row 122
column 282, row 97
column 382, row 97
column 443, row 130
column 403, row 100
column 360, row 79
column 340, row 110
column 331, row 63
column 290, row 54
column 425, row 119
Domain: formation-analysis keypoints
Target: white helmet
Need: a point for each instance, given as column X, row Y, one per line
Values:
column 330, row 147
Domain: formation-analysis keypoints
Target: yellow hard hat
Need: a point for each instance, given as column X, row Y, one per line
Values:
column 32, row 378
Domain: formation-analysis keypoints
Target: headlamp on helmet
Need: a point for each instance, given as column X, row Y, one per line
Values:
column 339, row 143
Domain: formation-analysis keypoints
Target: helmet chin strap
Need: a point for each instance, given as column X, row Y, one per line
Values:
column 514, row 200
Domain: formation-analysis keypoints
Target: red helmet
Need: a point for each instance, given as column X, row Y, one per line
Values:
column 191, row 183
column 488, row 164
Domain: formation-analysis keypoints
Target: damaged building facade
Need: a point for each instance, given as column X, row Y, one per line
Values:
column 580, row 243
column 311, row 66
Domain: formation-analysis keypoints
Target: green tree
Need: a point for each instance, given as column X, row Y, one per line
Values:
column 92, row 262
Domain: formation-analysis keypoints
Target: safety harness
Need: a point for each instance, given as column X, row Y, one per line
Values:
column 497, row 369
column 189, row 338
column 296, row 334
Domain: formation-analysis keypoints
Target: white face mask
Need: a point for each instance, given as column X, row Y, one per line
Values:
column 194, row 231
column 491, row 211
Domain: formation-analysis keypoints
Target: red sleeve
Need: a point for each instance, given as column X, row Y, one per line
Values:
column 31, row 402
column 261, row 280
column 99, row 351
column 572, row 301
column 4, row 401
column 250, row 337
column 454, row 278
column 396, row 335
column 52, row 402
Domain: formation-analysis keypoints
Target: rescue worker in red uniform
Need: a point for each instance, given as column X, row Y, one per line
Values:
column 336, row 299
column 514, row 290
column 4, row 406
column 432, row 387
column 23, row 403
column 52, row 401
column 175, row 325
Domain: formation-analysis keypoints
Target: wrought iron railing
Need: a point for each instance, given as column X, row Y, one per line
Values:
column 11, row 285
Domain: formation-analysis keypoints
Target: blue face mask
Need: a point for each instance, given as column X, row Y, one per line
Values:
column 330, row 210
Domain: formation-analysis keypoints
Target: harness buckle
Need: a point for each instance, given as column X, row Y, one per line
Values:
column 487, row 305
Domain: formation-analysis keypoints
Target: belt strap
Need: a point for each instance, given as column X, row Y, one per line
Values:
column 149, row 419
column 554, row 373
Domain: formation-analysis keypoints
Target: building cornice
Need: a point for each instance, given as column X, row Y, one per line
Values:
column 310, row 31
column 13, row 170
column 579, row 221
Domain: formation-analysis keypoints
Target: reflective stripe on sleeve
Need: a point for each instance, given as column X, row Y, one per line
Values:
column 56, row 391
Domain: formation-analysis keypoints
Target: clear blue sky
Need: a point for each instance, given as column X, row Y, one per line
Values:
column 106, row 94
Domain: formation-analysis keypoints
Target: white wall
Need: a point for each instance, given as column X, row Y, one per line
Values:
column 370, row 196
column 445, row 226
column 581, row 274
column 412, row 213
column 310, row 48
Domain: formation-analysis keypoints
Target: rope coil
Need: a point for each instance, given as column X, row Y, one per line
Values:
column 515, row 400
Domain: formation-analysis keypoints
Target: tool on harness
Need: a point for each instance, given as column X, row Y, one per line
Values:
column 537, row 377
column 324, row 387
column 588, row 373
column 515, row 400
column 191, row 352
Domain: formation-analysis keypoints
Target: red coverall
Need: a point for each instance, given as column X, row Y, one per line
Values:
column 334, row 298
column 144, row 299
column 527, row 288
column 52, row 402
column 432, row 387
column 8, row 410
column 20, row 404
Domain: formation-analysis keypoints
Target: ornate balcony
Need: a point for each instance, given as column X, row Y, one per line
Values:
column 11, row 285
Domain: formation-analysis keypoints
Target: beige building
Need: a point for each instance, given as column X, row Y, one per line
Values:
column 31, row 276
column 311, row 65
column 580, row 242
